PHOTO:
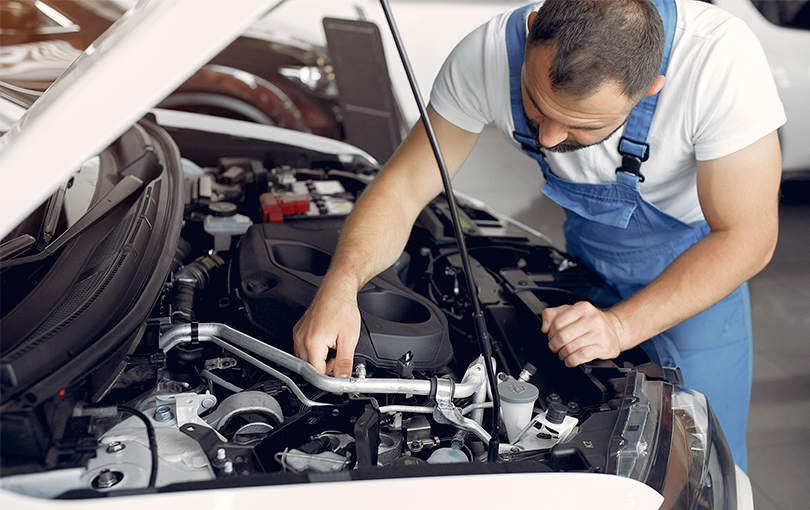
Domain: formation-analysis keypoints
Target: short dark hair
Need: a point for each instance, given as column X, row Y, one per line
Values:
column 599, row 40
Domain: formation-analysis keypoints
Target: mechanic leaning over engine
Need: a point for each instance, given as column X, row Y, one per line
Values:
column 674, row 201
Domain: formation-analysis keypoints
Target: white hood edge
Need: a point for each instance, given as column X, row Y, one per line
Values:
column 142, row 58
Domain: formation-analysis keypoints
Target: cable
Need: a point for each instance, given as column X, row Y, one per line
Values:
column 150, row 432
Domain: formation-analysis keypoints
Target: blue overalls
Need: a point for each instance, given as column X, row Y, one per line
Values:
column 629, row 242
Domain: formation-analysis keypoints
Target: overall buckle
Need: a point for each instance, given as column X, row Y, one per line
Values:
column 633, row 154
column 631, row 165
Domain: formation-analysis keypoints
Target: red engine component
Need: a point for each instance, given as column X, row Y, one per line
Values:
column 275, row 207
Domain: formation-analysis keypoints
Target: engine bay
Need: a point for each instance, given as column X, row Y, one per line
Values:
column 206, row 388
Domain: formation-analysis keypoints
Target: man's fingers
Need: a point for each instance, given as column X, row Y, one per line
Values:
column 316, row 356
column 344, row 358
column 587, row 353
column 582, row 333
column 573, row 346
column 550, row 315
column 568, row 325
column 310, row 348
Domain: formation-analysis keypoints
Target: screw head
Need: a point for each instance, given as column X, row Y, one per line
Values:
column 107, row 479
column 115, row 447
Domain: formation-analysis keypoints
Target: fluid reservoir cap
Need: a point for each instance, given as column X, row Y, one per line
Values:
column 222, row 209
column 556, row 413
column 517, row 392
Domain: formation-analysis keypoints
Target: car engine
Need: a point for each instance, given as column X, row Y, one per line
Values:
column 205, row 391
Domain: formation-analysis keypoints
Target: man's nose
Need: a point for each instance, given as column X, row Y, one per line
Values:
column 551, row 133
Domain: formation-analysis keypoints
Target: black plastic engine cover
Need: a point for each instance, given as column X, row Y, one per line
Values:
column 280, row 268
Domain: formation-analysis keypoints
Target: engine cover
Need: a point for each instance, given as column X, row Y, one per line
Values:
column 279, row 269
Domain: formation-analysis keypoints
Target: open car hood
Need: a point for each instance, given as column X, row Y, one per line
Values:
column 112, row 84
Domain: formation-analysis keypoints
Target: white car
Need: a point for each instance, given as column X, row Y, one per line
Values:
column 153, row 263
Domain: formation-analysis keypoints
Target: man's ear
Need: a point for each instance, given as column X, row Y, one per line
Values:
column 657, row 86
column 532, row 15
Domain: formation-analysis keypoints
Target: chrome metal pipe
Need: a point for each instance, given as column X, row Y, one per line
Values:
column 227, row 335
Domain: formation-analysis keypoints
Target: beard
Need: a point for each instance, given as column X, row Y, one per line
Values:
column 567, row 145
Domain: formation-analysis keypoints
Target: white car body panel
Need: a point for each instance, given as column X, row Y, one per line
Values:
column 548, row 490
column 179, row 119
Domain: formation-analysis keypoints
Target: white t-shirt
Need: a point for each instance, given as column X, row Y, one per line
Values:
column 719, row 97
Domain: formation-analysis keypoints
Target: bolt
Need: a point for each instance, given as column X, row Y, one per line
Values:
column 115, row 447
column 106, row 479
column 228, row 468
column 256, row 287
column 163, row 413
column 335, row 412
column 221, row 458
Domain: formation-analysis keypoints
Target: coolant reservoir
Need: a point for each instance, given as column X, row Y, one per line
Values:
column 448, row 455
column 517, row 403
column 223, row 223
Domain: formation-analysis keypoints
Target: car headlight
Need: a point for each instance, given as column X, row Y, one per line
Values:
column 671, row 440
column 320, row 80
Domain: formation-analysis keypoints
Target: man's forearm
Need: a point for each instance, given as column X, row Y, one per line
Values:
column 371, row 240
column 699, row 278
column 377, row 230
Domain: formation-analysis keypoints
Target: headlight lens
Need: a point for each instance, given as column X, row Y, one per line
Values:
column 672, row 441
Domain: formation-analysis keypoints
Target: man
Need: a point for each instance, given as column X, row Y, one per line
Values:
column 677, row 210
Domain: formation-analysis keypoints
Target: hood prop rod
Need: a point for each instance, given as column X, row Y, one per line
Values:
column 478, row 318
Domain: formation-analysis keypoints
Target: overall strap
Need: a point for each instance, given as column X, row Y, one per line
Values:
column 515, row 48
column 633, row 145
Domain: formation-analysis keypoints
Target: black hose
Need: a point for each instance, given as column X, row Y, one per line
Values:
column 150, row 432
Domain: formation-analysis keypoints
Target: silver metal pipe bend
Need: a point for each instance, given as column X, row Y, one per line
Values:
column 225, row 334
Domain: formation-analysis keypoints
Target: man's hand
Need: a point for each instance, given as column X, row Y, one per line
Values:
column 582, row 333
column 331, row 322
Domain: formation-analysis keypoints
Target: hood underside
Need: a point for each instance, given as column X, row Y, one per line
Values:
column 121, row 76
